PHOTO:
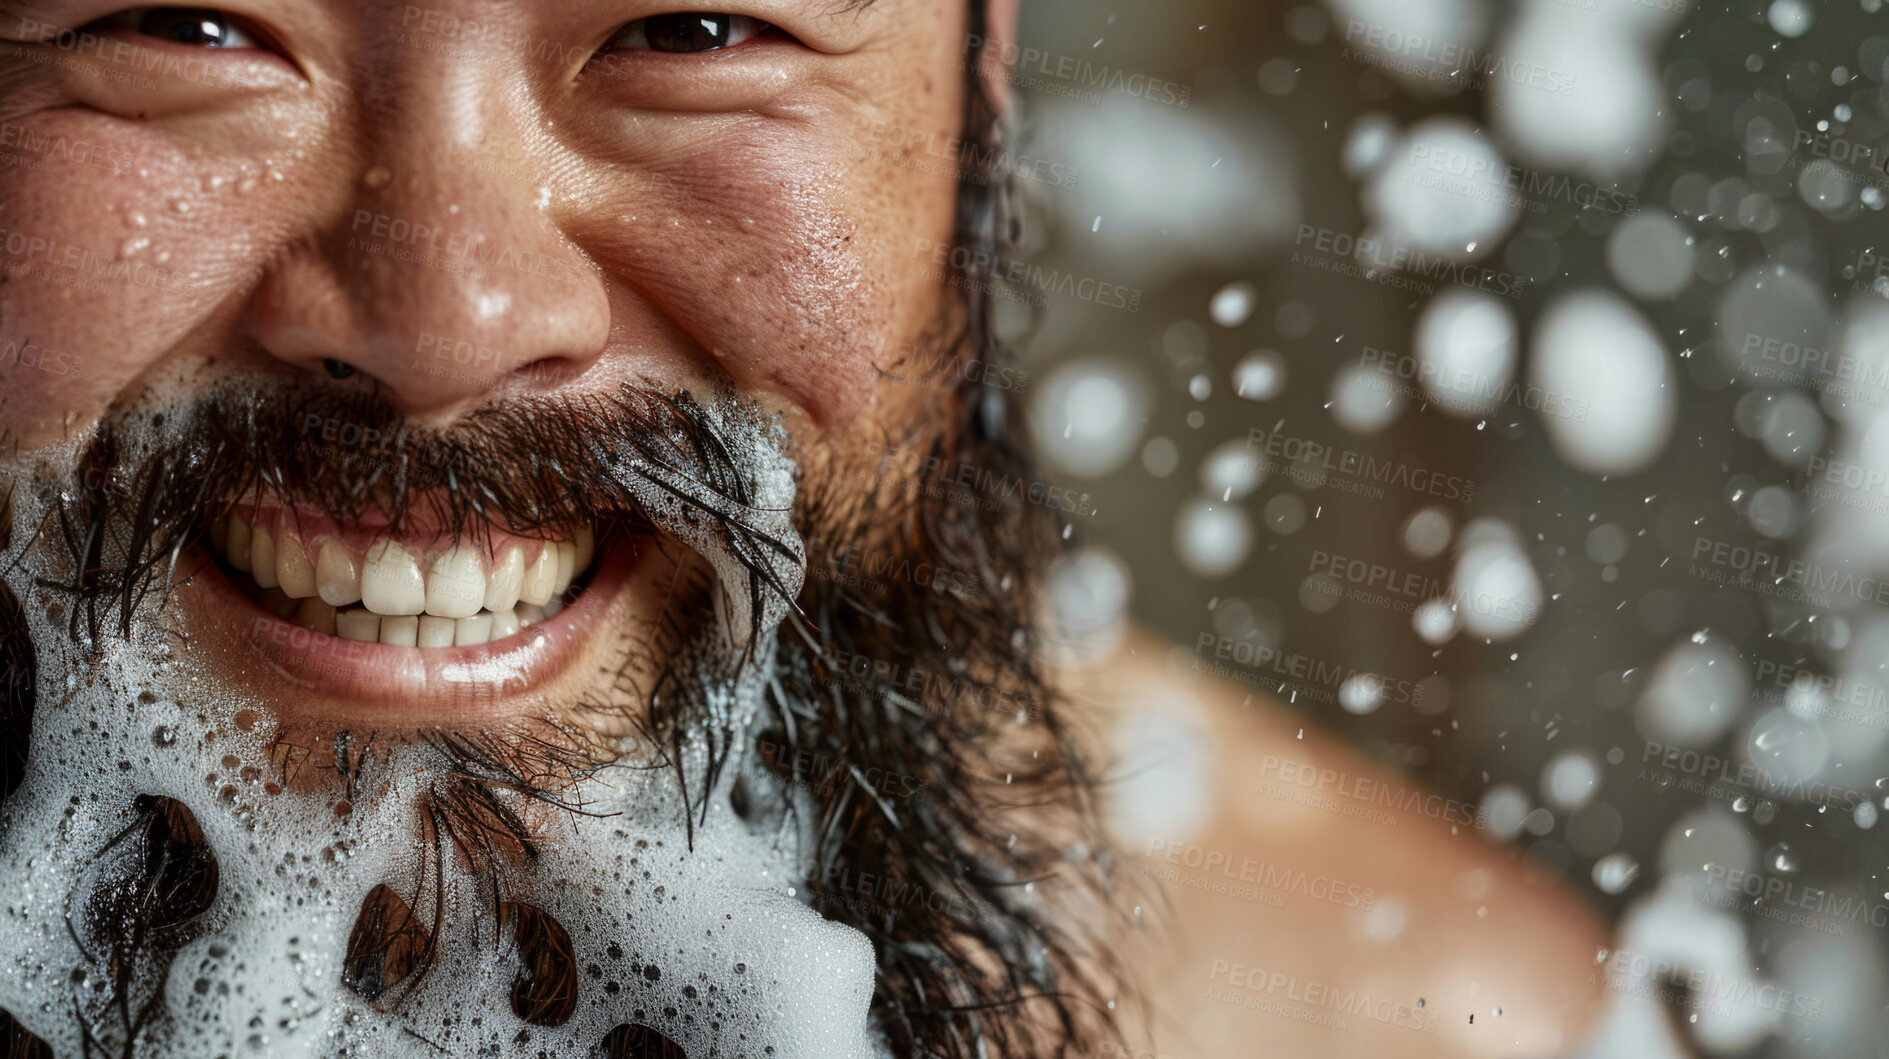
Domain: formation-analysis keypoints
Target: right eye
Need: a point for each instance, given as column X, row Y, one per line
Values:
column 687, row 32
column 198, row 27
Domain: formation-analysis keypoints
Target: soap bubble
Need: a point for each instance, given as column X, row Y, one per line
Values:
column 1598, row 353
column 1650, row 254
column 1605, row 108
column 1773, row 321
column 1427, row 532
column 1365, row 401
column 1791, row 18
column 1435, row 194
column 1495, row 587
column 1614, row 872
column 1361, row 693
column 1086, row 592
column 1607, row 543
column 1787, row 746
column 1232, row 471
column 1791, row 428
column 1707, row 840
column 1693, row 694
column 1088, row 416
column 1435, row 620
column 1571, row 780
column 1211, row 536
column 1504, row 807
column 1369, row 144
column 1466, row 342
column 1232, row 305
column 1260, row 375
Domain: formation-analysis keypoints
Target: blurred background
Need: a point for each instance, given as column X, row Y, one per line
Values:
column 1501, row 386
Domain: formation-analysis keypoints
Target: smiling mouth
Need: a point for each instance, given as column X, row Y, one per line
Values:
column 418, row 591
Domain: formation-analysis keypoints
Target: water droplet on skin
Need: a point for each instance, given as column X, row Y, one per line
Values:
column 134, row 246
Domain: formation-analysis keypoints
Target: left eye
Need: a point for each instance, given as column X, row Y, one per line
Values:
column 202, row 27
column 690, row 32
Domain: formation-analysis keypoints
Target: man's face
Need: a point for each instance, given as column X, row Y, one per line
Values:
column 415, row 386
column 456, row 206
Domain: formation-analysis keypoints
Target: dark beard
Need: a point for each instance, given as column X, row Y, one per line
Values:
column 121, row 534
column 948, row 787
column 913, row 715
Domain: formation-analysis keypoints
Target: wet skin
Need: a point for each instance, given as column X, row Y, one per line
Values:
column 458, row 203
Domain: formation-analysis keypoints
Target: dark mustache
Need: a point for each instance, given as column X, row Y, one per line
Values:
column 147, row 487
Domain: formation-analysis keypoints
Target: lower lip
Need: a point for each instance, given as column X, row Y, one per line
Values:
column 330, row 680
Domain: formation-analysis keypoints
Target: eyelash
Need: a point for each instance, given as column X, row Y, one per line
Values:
column 690, row 27
column 638, row 32
column 146, row 20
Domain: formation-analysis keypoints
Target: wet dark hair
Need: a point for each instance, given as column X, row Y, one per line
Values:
column 991, row 929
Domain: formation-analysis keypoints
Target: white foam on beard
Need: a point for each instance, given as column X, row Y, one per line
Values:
column 711, row 947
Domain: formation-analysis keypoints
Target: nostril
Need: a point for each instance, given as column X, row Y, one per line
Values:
column 630, row 1041
column 337, row 369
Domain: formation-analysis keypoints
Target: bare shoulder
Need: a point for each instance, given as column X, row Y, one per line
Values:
column 1305, row 899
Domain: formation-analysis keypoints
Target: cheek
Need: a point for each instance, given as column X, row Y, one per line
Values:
column 112, row 252
column 805, row 285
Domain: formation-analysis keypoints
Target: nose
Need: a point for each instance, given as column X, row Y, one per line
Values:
column 444, row 280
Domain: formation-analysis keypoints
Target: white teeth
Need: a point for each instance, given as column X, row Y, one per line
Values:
column 473, row 631
column 453, row 601
column 391, row 582
column 506, row 578
column 504, row 623
column 238, row 545
column 400, row 631
column 586, row 549
column 262, row 557
column 567, row 568
column 455, row 583
column 314, row 614
column 540, row 577
column 277, row 602
column 358, row 624
column 337, row 576
column 436, row 631
column 292, row 569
